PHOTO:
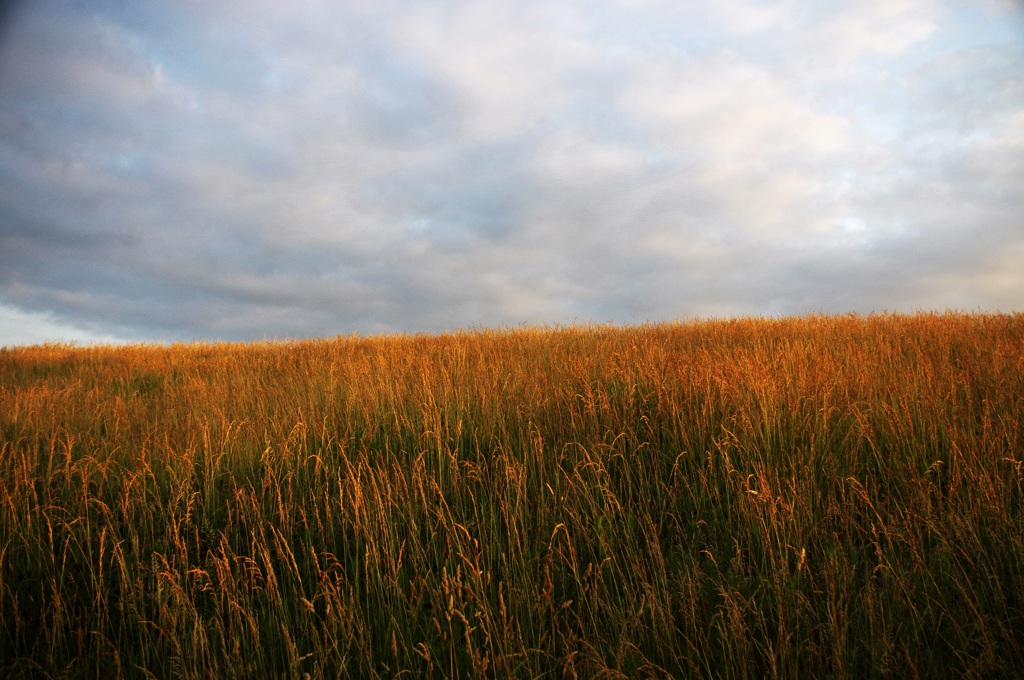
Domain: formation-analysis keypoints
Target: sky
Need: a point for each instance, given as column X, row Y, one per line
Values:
column 222, row 170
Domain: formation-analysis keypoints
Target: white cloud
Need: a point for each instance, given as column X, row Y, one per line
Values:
column 761, row 153
column 878, row 26
column 18, row 327
column 1001, row 155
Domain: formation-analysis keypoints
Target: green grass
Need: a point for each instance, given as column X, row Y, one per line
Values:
column 821, row 496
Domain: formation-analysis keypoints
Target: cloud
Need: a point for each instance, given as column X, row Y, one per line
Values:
column 21, row 328
column 213, row 170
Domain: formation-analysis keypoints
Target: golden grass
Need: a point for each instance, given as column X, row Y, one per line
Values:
column 824, row 496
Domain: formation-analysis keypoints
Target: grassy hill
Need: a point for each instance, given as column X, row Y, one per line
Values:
column 820, row 496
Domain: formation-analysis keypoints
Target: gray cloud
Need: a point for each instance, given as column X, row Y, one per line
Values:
column 207, row 170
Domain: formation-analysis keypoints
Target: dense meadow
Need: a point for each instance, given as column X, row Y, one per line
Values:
column 820, row 496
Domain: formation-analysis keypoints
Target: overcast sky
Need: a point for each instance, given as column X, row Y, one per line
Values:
column 209, row 169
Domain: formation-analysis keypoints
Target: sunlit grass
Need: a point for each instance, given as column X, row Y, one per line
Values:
column 823, row 496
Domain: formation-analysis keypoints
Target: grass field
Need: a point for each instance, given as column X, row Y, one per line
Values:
column 815, row 497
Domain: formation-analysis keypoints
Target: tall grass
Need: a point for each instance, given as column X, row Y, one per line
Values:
column 826, row 496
